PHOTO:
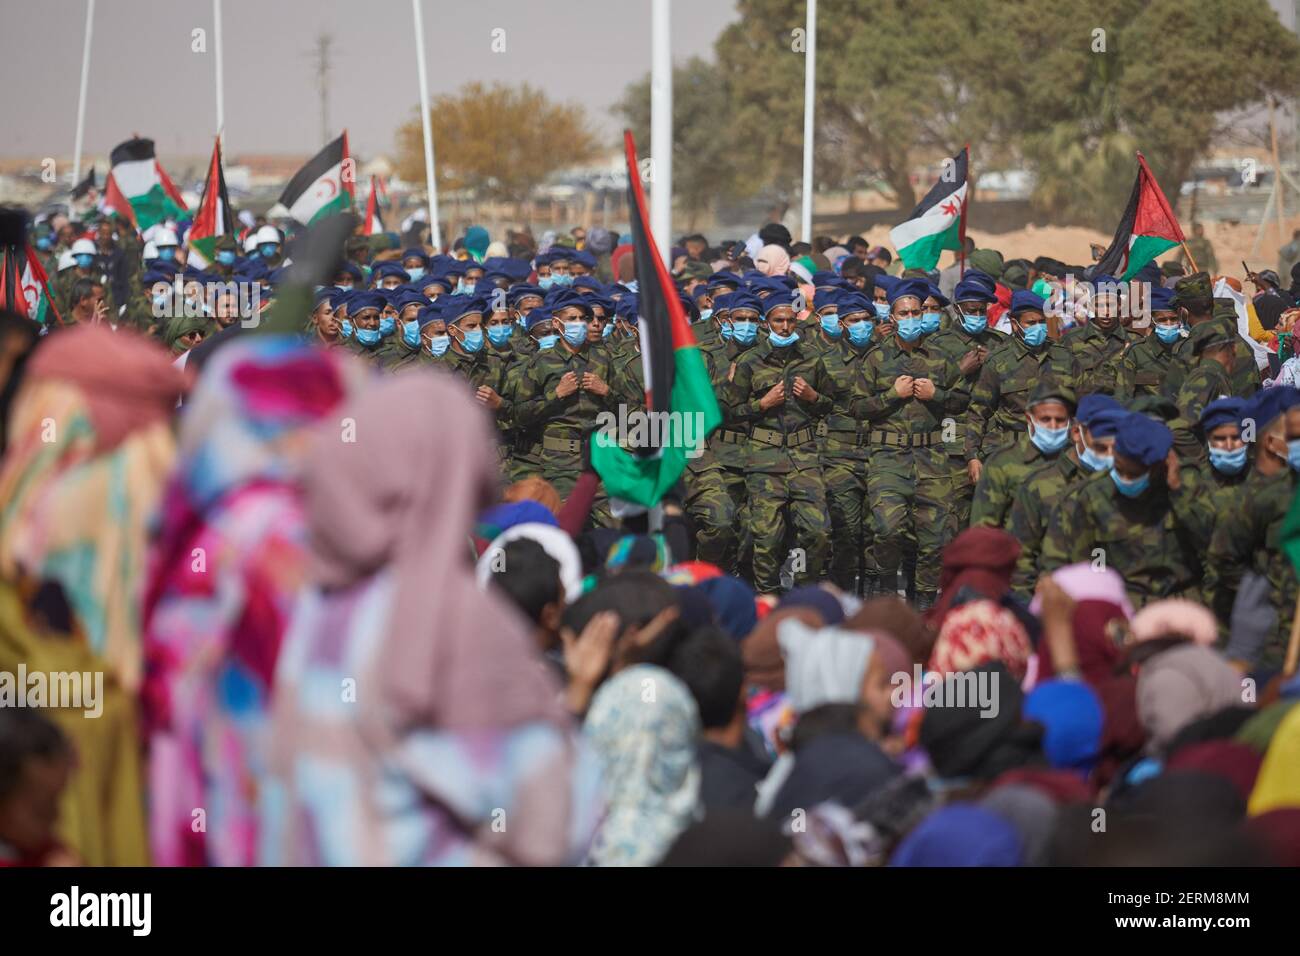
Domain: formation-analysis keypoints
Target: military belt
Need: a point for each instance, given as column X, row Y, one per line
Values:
column 906, row 441
column 848, row 438
column 770, row 436
column 731, row 437
column 571, row 446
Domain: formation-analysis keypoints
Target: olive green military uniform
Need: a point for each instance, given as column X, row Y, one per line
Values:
column 1000, row 478
column 1088, row 359
column 1249, row 538
column 1001, row 396
column 61, row 291
column 1146, row 539
column 1202, row 251
column 908, row 481
column 1039, row 495
column 844, row 469
column 1151, row 367
column 727, row 453
column 784, row 484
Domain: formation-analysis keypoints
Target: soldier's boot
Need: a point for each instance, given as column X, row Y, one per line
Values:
column 925, row 600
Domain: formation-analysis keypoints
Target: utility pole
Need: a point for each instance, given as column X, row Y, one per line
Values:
column 322, row 55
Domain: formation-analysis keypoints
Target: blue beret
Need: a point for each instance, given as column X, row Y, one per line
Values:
column 536, row 316
column 938, row 296
column 154, row 275
column 326, row 294
column 701, row 291
column 568, row 299
column 352, row 269
column 456, row 307
column 521, row 291
column 1267, row 404
column 975, row 286
column 447, row 266
column 918, row 288
column 585, row 258
column 887, row 282
column 828, row 280
column 776, row 300
column 742, row 299
column 724, row 278
column 722, row 301
column 415, row 252
column 1105, row 423
column 1162, row 299
column 252, row 268
column 343, row 299
column 853, row 302
column 1222, row 411
column 627, row 306
column 588, row 282
column 1092, row 404
column 430, row 313
column 603, row 301
column 367, row 299
column 517, row 269
column 386, row 270
column 825, row 296
column 1143, row 439
column 1024, row 300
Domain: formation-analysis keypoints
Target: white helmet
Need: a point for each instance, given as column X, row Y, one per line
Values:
column 250, row 242
column 150, row 251
column 268, row 234
column 66, row 261
column 83, row 247
column 165, row 237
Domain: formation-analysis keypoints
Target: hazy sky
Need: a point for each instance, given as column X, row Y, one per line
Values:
column 144, row 77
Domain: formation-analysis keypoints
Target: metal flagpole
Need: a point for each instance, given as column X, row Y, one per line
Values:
column 809, row 94
column 661, row 129
column 81, row 100
column 435, row 231
column 221, row 91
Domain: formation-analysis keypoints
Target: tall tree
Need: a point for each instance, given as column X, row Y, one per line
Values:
column 501, row 141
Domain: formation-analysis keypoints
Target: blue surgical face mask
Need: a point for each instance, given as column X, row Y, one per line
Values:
column 909, row 330
column 1049, row 440
column 387, row 323
column 1095, row 462
column 226, row 257
column 607, row 331
column 882, row 309
column 1293, row 454
column 345, row 329
column 783, row 341
column 860, row 332
column 565, row 280
column 1169, row 333
column 160, row 300
column 974, row 324
column 744, row 331
column 500, row 334
column 44, row 243
column 546, row 282
column 632, row 286
column 1228, row 462
column 267, row 249
column 166, row 254
column 1127, row 488
column 706, row 314
column 416, row 272
column 1035, row 335
column 473, row 340
column 411, row 334
column 726, row 331
column 84, row 260
column 930, row 322
column 344, row 288
column 545, row 342
column 438, row 344
column 831, row 325
column 368, row 337
column 466, row 288
column 575, row 333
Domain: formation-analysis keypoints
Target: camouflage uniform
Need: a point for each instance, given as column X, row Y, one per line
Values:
column 1001, row 395
column 557, row 427
column 1039, row 494
column 844, row 468
column 955, row 342
column 1151, row 367
column 1088, row 359
column 1147, row 539
column 61, row 291
column 1000, row 478
column 908, row 478
column 1250, row 539
column 784, row 482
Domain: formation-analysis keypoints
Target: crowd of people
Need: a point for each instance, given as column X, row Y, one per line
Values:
column 977, row 554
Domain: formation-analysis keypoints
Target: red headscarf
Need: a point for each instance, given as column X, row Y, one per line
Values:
column 980, row 558
column 1096, row 648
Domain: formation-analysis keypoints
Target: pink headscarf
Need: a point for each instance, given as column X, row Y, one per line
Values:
column 1175, row 617
column 772, row 261
column 1083, row 582
column 403, row 496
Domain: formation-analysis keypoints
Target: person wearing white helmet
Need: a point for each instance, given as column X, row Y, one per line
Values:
column 268, row 246
column 86, row 265
column 166, row 242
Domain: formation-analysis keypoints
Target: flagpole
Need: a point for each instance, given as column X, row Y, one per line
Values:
column 217, row 49
column 81, row 99
column 435, row 231
column 661, row 129
column 961, row 230
column 809, row 95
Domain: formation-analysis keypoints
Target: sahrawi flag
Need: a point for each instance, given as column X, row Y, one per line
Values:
column 1147, row 229
column 24, row 287
column 138, row 189
column 939, row 220
column 374, row 219
column 640, row 460
column 214, row 218
column 321, row 188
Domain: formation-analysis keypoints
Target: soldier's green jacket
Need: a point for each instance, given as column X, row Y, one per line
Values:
column 1151, row 367
column 844, row 364
column 1146, row 539
column 1088, row 359
column 705, row 332
column 759, row 370
column 61, row 291
column 1244, row 376
column 881, row 404
column 1039, row 494
column 1249, row 538
column 728, row 454
column 1000, row 396
column 1204, row 383
column 540, row 413
column 1000, row 478
column 956, row 342
column 395, row 355
column 510, row 364
column 1214, row 495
